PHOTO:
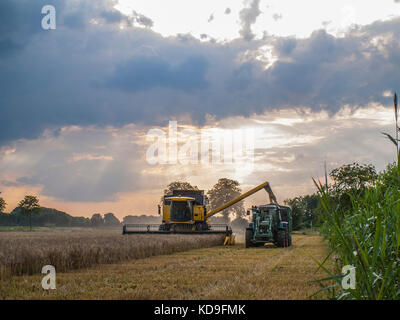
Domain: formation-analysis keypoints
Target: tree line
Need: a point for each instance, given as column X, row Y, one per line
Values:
column 30, row 213
column 347, row 181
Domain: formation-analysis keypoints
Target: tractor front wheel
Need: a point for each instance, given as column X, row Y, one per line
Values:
column 281, row 240
column 249, row 236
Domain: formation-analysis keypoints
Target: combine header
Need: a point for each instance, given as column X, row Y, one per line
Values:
column 185, row 212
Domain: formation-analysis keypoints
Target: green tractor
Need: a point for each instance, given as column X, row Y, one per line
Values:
column 271, row 223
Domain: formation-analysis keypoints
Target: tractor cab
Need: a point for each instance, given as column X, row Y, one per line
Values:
column 269, row 223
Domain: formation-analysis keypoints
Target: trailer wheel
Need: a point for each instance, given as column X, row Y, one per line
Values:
column 249, row 236
column 281, row 239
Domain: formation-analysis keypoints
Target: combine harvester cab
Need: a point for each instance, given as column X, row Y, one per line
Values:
column 185, row 212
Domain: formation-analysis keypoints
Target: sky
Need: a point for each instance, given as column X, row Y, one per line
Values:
column 298, row 82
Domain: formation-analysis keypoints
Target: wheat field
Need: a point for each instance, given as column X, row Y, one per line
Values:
column 27, row 252
column 217, row 272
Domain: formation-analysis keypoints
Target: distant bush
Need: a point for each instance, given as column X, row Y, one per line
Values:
column 47, row 217
column 44, row 217
column 142, row 219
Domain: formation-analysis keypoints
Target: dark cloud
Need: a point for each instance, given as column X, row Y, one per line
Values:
column 113, row 16
column 75, row 20
column 324, row 71
column 143, row 73
column 227, row 11
column 97, row 74
column 211, row 18
column 248, row 17
column 142, row 20
column 19, row 21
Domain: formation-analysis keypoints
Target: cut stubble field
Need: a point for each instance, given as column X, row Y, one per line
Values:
column 207, row 273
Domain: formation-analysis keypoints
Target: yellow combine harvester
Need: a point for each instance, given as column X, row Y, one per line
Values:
column 185, row 211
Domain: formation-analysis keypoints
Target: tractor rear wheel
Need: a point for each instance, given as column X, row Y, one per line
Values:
column 249, row 236
column 281, row 239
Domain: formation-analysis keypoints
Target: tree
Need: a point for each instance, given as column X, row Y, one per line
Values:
column 28, row 206
column 224, row 191
column 351, row 177
column 179, row 185
column 351, row 180
column 239, row 223
column 141, row 219
column 129, row 219
column 304, row 210
column 3, row 205
column 97, row 220
column 388, row 178
column 298, row 211
column 110, row 220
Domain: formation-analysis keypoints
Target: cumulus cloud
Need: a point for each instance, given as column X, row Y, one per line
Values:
column 91, row 164
column 19, row 21
column 142, row 20
column 69, row 98
column 143, row 73
column 294, row 144
column 325, row 24
column 248, row 17
column 98, row 74
column 78, row 164
column 277, row 16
